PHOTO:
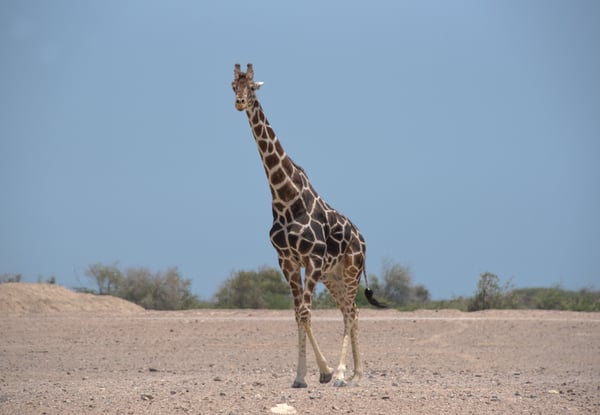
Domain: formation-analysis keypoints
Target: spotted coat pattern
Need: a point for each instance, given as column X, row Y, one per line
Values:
column 307, row 233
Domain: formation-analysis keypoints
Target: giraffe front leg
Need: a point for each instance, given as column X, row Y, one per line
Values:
column 291, row 271
column 301, row 368
column 304, row 326
column 313, row 275
column 325, row 372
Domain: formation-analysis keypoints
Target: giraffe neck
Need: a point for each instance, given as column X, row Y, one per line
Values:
column 286, row 179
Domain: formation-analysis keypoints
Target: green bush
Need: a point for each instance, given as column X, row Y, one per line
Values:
column 107, row 277
column 10, row 277
column 586, row 300
column 265, row 288
column 156, row 291
column 557, row 298
column 398, row 288
column 490, row 295
column 553, row 298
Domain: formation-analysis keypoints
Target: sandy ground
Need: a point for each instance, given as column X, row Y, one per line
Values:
column 130, row 361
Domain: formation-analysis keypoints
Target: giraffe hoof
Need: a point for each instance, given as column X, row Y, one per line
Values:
column 298, row 384
column 325, row 377
column 340, row 383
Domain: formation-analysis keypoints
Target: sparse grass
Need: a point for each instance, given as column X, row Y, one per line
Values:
column 553, row 298
column 557, row 298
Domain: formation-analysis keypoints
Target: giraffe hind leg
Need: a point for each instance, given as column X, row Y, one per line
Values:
column 350, row 339
column 343, row 294
column 358, row 366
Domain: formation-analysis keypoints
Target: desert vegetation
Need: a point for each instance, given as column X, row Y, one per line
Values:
column 266, row 288
column 152, row 290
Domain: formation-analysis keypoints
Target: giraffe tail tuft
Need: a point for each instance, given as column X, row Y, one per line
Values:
column 372, row 300
column 369, row 292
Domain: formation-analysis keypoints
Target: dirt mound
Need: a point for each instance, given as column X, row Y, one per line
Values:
column 23, row 298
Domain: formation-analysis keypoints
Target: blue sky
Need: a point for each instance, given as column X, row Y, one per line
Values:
column 461, row 137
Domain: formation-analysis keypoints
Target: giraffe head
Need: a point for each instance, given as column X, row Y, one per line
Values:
column 244, row 87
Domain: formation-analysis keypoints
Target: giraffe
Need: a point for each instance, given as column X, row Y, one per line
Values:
column 307, row 233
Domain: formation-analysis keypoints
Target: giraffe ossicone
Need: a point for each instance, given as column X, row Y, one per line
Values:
column 308, row 233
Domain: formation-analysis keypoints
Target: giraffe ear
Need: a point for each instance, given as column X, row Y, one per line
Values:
column 258, row 85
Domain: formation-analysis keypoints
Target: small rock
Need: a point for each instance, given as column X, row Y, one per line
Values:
column 146, row 397
column 314, row 395
column 553, row 391
column 283, row 409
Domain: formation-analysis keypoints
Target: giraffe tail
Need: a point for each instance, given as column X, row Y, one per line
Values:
column 369, row 294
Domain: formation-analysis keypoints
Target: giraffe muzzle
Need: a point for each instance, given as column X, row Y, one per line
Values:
column 240, row 104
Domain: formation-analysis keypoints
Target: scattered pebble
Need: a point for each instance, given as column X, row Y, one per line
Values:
column 283, row 409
